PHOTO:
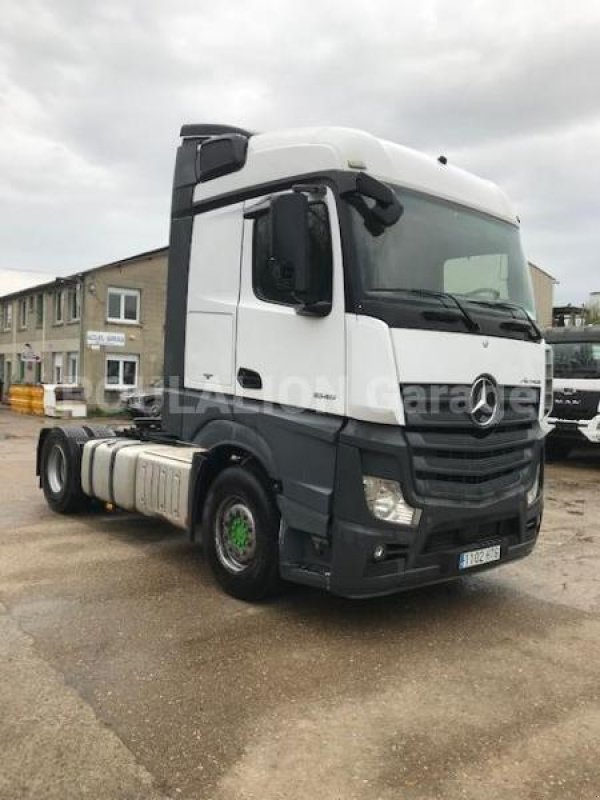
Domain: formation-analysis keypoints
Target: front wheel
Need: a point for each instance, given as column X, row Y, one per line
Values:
column 240, row 534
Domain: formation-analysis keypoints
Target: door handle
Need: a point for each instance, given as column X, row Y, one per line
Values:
column 249, row 379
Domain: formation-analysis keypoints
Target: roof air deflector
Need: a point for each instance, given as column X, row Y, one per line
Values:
column 206, row 131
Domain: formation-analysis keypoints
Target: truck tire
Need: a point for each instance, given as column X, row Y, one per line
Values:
column 60, row 471
column 240, row 524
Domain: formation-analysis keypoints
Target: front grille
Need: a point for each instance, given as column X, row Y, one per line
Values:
column 575, row 405
column 434, row 405
column 453, row 458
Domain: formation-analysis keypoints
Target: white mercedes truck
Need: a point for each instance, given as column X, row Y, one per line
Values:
column 354, row 380
column 575, row 417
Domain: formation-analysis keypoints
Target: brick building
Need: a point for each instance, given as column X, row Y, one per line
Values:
column 102, row 328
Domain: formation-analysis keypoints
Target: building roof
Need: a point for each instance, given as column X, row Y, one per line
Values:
column 15, row 280
column 61, row 280
column 568, row 309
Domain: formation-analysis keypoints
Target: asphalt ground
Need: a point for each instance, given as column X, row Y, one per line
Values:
column 126, row 673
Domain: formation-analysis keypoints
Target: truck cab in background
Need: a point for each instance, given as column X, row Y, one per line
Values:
column 575, row 416
column 354, row 381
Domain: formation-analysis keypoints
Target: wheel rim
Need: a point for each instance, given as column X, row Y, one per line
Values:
column 56, row 469
column 235, row 535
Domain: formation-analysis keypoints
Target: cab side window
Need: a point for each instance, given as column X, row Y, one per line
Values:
column 271, row 281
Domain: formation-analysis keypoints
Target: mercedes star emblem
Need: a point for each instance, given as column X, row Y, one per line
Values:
column 484, row 401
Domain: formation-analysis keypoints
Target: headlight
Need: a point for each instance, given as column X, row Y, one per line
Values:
column 535, row 488
column 548, row 398
column 386, row 501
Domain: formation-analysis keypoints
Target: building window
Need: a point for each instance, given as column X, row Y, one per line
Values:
column 58, row 307
column 57, row 367
column 123, row 305
column 72, row 375
column 121, row 372
column 39, row 311
column 7, row 316
column 31, row 303
column 23, row 312
column 74, row 304
column 8, row 372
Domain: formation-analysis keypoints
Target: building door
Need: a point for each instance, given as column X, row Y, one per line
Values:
column 72, row 368
column 57, row 368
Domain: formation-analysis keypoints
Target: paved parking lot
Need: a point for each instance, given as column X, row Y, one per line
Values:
column 125, row 673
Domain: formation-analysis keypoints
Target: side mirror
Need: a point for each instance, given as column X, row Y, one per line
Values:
column 290, row 243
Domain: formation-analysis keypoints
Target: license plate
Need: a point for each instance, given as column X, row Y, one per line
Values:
column 475, row 558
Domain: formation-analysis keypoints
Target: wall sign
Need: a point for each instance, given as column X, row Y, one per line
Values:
column 29, row 357
column 104, row 339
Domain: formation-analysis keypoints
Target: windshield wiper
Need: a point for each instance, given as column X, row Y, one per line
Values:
column 471, row 324
column 530, row 325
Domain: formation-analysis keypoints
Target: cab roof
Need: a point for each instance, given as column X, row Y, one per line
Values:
column 293, row 152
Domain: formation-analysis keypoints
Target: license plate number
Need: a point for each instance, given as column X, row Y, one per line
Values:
column 475, row 558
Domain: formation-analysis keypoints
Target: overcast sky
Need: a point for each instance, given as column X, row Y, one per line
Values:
column 92, row 95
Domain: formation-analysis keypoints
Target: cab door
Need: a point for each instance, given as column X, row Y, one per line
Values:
column 213, row 292
column 283, row 356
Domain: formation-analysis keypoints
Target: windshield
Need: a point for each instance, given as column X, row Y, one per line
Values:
column 576, row 359
column 442, row 247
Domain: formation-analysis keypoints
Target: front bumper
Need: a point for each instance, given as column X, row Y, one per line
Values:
column 414, row 556
column 433, row 554
column 581, row 430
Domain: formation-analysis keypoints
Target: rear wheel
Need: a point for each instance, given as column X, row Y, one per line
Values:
column 61, row 471
column 240, row 534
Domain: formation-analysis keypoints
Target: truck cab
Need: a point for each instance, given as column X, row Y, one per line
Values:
column 575, row 416
column 351, row 355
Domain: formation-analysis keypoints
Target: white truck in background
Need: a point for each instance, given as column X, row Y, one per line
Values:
column 575, row 416
column 354, row 381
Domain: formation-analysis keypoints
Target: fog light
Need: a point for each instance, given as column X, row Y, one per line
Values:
column 379, row 552
column 386, row 502
column 535, row 488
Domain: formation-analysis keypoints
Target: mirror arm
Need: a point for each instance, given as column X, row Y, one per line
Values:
column 387, row 209
column 372, row 223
